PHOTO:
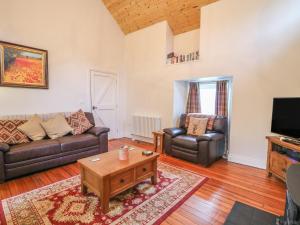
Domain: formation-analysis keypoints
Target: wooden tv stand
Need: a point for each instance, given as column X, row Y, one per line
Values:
column 278, row 163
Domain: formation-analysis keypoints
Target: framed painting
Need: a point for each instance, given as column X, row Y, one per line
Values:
column 22, row 66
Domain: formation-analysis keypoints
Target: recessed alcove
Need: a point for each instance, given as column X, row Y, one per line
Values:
column 182, row 48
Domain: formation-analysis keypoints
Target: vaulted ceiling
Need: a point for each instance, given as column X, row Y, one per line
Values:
column 132, row 15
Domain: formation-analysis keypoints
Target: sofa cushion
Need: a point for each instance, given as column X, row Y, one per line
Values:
column 186, row 141
column 56, row 127
column 33, row 129
column 10, row 134
column 79, row 122
column 70, row 143
column 32, row 150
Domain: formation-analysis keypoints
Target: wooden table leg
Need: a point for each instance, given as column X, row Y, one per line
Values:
column 160, row 144
column 154, row 177
column 104, row 192
column 269, row 174
column 83, row 187
column 155, row 142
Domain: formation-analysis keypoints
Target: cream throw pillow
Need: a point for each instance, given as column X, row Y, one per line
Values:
column 33, row 129
column 56, row 127
column 197, row 126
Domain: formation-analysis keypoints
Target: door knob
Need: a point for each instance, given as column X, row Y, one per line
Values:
column 95, row 107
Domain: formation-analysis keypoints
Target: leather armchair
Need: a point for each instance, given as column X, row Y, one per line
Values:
column 204, row 149
column 173, row 132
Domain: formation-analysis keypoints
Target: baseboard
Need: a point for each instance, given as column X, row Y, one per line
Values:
column 247, row 161
column 144, row 139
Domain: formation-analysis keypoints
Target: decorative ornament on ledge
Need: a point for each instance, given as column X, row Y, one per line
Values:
column 22, row 66
column 173, row 58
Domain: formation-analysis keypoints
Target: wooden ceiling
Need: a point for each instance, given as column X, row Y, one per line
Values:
column 133, row 15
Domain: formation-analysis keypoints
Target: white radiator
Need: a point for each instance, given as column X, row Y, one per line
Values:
column 143, row 126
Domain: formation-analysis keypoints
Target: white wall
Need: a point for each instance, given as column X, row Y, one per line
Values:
column 79, row 35
column 169, row 40
column 257, row 42
column 180, row 94
column 187, row 42
column 145, row 55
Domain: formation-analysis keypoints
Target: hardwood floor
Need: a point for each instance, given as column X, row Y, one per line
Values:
column 210, row 204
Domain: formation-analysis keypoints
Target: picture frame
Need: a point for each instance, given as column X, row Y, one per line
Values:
column 23, row 66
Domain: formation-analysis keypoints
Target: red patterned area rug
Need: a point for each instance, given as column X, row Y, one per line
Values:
column 62, row 202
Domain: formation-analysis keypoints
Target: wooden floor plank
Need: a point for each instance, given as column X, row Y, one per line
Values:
column 209, row 205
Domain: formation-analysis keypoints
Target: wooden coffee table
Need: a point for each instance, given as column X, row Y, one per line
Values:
column 109, row 176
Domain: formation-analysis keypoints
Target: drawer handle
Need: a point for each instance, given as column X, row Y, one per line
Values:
column 144, row 169
column 122, row 181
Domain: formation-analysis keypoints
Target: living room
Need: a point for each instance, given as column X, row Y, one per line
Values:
column 120, row 61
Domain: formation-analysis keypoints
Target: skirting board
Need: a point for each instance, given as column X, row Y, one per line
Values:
column 247, row 161
column 139, row 138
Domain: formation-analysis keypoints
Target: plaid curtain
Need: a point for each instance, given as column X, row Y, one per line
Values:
column 221, row 98
column 222, row 108
column 193, row 102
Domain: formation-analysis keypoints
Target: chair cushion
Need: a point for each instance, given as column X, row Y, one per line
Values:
column 70, row 143
column 32, row 150
column 186, row 141
column 197, row 126
column 210, row 122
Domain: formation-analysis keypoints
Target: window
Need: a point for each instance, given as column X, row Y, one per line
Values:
column 208, row 98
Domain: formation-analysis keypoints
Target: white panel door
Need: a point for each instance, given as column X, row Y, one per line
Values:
column 104, row 99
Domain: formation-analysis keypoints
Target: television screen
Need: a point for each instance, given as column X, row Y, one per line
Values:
column 286, row 117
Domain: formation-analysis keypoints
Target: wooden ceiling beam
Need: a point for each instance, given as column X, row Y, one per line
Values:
column 132, row 15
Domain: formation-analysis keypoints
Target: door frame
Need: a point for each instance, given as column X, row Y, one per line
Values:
column 107, row 74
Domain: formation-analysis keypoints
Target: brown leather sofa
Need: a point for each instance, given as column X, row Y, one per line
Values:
column 35, row 156
column 204, row 149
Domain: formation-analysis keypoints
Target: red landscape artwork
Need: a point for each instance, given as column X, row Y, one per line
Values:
column 23, row 66
column 24, row 70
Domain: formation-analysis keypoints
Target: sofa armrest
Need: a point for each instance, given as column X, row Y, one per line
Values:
column 210, row 137
column 98, row 130
column 175, row 131
column 4, row 147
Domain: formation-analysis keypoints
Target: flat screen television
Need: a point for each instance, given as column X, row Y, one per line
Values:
column 286, row 117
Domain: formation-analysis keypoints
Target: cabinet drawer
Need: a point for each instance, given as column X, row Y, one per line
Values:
column 278, row 164
column 144, row 170
column 121, row 181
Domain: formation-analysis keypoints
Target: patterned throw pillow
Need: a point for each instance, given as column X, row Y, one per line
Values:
column 197, row 126
column 210, row 122
column 79, row 122
column 9, row 133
